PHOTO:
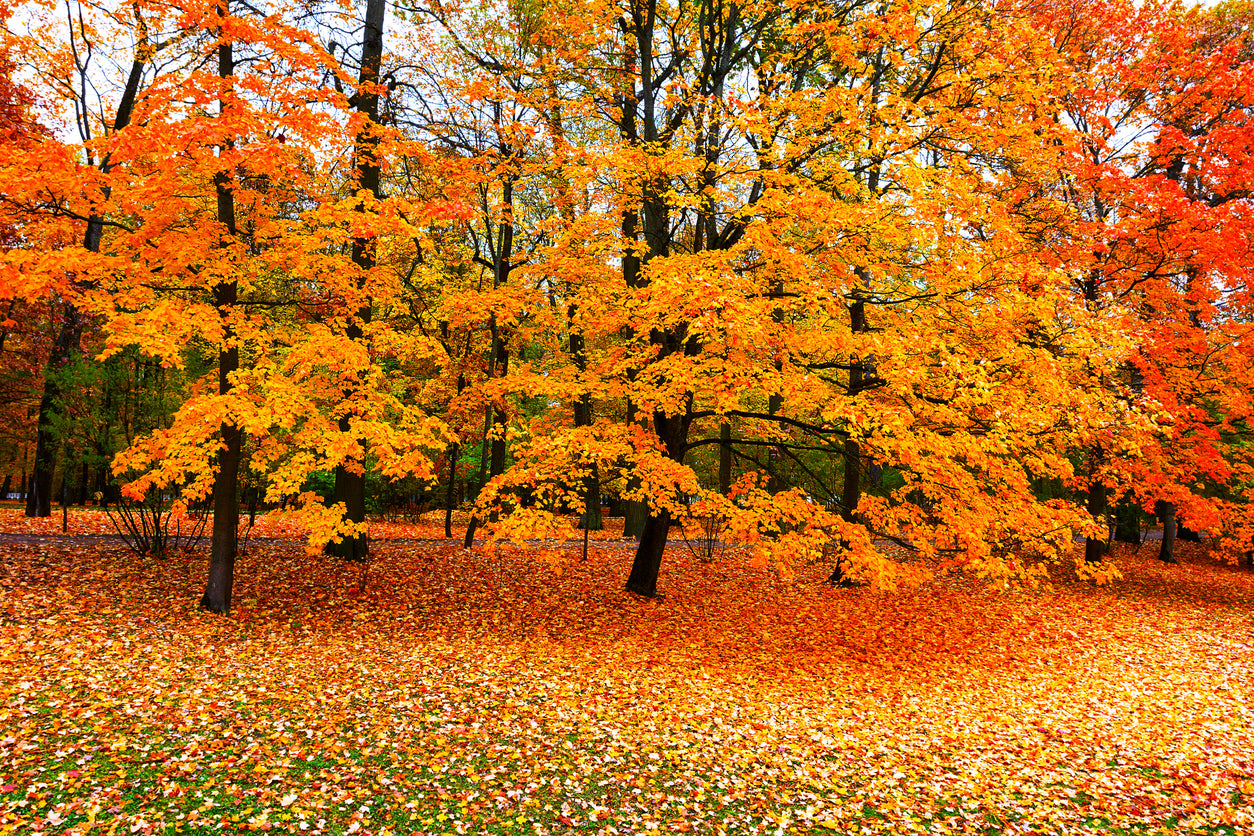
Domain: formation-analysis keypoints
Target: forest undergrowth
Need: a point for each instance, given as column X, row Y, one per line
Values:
column 522, row 691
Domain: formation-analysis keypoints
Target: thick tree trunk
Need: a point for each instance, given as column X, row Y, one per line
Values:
column 1095, row 549
column 1167, row 549
column 217, row 597
column 635, row 513
column 648, row 560
column 350, row 489
column 223, row 545
column 673, row 432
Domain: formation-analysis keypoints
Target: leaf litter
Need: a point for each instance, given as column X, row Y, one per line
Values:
column 521, row 691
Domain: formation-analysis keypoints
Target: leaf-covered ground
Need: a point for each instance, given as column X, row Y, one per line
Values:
column 524, row 692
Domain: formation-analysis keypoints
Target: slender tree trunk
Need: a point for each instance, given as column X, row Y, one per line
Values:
column 350, row 484
column 65, row 349
column 591, row 518
column 498, row 362
column 1167, row 549
column 451, row 495
column 724, row 458
column 499, row 418
column 635, row 512
column 84, row 476
column 851, row 486
column 473, row 523
column 217, row 597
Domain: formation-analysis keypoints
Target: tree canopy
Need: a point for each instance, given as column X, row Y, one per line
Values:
column 964, row 277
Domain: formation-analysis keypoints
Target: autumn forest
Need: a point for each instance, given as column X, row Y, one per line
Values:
column 617, row 416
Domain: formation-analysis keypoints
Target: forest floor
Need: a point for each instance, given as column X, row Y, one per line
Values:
column 451, row 691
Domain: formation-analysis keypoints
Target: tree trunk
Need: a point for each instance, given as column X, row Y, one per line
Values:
column 1095, row 549
column 673, row 432
column 473, row 523
column 590, row 519
column 635, row 513
column 451, row 494
column 84, row 476
column 648, row 560
column 1167, row 549
column 724, row 458
column 350, row 486
column 851, row 487
column 217, row 597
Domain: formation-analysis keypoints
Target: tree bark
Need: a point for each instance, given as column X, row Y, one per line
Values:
column 498, row 362
column 648, row 561
column 851, row 486
column 591, row 488
column 724, row 458
column 1167, row 549
column 65, row 349
column 673, row 432
column 453, row 453
column 350, row 485
column 217, row 597
column 1095, row 549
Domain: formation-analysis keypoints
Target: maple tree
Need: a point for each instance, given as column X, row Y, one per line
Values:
column 71, row 82
column 227, row 242
column 1161, row 115
column 741, row 219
